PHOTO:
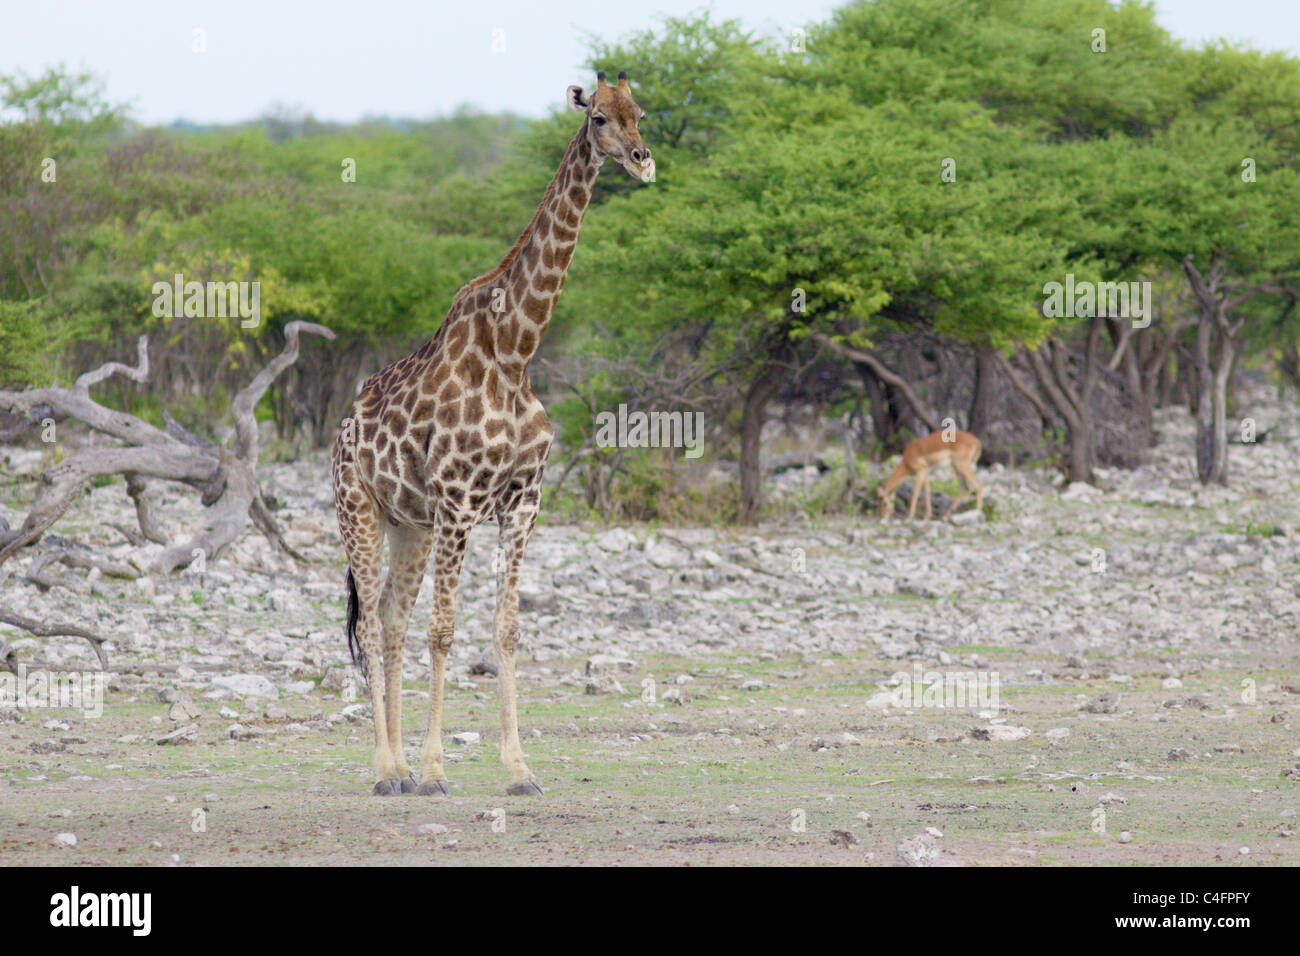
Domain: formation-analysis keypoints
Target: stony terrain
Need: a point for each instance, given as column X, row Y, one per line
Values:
column 707, row 695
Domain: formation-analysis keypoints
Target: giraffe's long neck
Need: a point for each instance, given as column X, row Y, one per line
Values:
column 533, row 279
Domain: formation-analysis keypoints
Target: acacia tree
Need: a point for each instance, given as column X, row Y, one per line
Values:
column 1215, row 202
column 818, row 207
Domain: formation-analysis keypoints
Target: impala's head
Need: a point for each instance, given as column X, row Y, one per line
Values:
column 886, row 501
column 612, row 121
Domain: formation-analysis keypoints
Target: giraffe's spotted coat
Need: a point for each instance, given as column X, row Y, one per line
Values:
column 454, row 435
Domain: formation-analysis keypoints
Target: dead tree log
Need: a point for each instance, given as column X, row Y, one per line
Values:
column 41, row 629
column 225, row 477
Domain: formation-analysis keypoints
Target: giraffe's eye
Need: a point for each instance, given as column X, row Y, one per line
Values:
column 598, row 120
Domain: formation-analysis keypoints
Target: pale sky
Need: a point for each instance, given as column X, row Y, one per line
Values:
column 342, row 60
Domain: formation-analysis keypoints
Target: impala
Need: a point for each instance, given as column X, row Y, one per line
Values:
column 961, row 449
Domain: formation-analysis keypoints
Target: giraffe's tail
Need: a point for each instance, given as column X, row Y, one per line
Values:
column 354, row 608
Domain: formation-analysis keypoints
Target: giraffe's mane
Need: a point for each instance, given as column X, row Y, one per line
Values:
column 513, row 254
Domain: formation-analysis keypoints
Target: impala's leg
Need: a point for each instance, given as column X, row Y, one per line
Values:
column 448, row 554
column 408, row 550
column 917, row 480
column 929, row 511
column 362, row 530
column 967, row 470
column 962, row 494
column 963, row 488
column 515, row 527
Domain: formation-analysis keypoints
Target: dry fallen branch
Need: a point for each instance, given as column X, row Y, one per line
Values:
column 41, row 629
column 225, row 478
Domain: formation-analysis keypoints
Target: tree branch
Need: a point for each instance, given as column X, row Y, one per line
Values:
column 885, row 375
column 54, row 630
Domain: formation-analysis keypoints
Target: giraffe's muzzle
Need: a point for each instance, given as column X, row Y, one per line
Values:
column 643, row 170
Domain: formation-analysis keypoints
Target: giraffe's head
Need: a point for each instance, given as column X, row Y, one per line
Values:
column 612, row 123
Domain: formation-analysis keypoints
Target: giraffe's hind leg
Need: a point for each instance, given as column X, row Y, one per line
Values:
column 408, row 550
column 515, row 528
column 362, row 529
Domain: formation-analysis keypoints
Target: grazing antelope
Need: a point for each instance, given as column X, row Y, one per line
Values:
column 962, row 449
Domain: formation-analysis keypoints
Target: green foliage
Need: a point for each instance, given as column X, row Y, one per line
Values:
column 917, row 166
column 821, row 172
column 20, row 342
column 378, row 260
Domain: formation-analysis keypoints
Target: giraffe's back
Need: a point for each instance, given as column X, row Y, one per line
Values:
column 436, row 439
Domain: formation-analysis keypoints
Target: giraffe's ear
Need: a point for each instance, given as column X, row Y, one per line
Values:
column 576, row 100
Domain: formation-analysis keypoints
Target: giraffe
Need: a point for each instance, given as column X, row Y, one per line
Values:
column 454, row 435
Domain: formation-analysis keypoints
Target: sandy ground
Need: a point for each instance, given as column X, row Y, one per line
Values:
column 1190, row 775
column 1143, row 635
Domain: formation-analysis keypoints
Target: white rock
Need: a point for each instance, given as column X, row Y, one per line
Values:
column 245, row 685
column 466, row 738
column 918, row 851
column 599, row 664
column 1005, row 732
column 664, row 555
column 883, row 699
column 616, row 540
column 66, row 839
column 1080, row 491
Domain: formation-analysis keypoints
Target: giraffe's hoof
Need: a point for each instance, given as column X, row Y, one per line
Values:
column 388, row 788
column 434, row 788
column 524, row 788
column 408, row 784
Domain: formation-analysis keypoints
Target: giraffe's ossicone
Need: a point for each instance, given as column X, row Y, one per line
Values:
column 454, row 435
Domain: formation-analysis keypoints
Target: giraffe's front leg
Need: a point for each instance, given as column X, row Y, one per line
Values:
column 442, row 628
column 433, row 778
column 513, row 537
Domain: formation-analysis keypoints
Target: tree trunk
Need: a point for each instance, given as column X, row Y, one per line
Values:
column 1213, row 372
column 1051, row 369
column 1289, row 365
column 985, row 392
column 765, row 384
column 886, row 417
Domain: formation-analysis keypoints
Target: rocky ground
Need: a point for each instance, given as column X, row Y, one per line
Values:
column 699, row 695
